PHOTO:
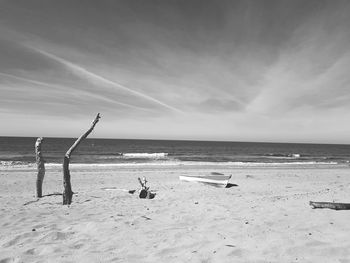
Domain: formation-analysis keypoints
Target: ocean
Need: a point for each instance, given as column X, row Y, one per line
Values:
column 19, row 151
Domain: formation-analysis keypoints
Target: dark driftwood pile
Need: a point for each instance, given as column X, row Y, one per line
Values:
column 144, row 191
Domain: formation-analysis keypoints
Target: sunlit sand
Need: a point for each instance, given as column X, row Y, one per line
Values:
column 265, row 217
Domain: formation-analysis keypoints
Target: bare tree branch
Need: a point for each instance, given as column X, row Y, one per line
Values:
column 68, row 193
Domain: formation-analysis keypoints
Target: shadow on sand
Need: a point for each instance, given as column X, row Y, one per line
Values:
column 231, row 185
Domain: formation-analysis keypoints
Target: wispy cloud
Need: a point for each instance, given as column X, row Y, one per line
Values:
column 63, row 88
column 248, row 70
column 96, row 79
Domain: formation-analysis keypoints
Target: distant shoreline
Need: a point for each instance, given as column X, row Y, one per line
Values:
column 191, row 165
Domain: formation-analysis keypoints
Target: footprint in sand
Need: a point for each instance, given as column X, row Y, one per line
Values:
column 8, row 260
column 30, row 251
column 56, row 235
column 21, row 238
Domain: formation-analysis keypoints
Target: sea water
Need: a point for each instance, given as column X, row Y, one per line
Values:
column 16, row 151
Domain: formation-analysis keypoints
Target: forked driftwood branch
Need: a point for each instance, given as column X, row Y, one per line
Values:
column 144, row 191
column 68, row 193
column 330, row 205
column 40, row 166
column 143, row 183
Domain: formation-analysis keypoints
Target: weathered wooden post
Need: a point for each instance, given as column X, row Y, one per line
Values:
column 40, row 165
column 67, row 192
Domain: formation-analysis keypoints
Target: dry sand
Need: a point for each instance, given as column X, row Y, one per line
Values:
column 266, row 218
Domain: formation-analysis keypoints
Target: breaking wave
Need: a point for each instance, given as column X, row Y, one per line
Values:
column 144, row 155
column 16, row 163
column 283, row 155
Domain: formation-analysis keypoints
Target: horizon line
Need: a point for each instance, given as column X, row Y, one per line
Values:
column 179, row 140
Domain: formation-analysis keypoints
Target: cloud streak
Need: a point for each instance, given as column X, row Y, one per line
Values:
column 55, row 86
column 247, row 70
column 95, row 78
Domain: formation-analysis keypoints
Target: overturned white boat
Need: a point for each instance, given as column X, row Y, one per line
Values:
column 215, row 179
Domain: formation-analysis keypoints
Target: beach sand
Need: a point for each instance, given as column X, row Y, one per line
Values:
column 265, row 218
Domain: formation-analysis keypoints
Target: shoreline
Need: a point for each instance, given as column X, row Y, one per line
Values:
column 10, row 166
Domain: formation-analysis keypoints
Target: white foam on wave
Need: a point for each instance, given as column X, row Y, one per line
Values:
column 15, row 163
column 282, row 156
column 145, row 155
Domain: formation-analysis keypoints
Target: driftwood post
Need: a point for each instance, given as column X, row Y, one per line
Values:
column 41, row 167
column 68, row 193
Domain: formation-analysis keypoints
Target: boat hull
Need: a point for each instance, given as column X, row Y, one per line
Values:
column 216, row 180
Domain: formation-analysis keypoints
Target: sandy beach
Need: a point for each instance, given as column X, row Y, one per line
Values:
column 265, row 218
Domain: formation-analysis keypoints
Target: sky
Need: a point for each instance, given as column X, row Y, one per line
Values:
column 264, row 70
